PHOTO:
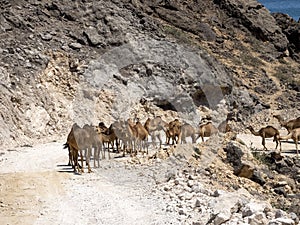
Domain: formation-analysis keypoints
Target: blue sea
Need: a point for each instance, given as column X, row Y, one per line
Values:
column 290, row 7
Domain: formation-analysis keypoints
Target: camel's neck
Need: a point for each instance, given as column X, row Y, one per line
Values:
column 281, row 121
column 254, row 132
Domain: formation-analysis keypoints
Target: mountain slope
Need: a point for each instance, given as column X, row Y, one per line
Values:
column 87, row 61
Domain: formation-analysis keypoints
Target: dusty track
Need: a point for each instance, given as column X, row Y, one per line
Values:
column 37, row 187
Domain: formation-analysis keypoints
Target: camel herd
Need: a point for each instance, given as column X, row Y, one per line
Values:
column 131, row 136
column 292, row 126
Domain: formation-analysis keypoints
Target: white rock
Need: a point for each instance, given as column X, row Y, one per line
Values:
column 221, row 218
column 257, row 219
column 254, row 207
column 282, row 221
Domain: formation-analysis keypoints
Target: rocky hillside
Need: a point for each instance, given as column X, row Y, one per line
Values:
column 85, row 61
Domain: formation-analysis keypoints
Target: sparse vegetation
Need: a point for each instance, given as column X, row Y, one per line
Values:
column 178, row 34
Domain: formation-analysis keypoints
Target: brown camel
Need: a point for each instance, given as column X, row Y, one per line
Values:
column 155, row 127
column 108, row 136
column 174, row 132
column 133, row 136
column 206, row 130
column 295, row 135
column 289, row 125
column 266, row 132
column 141, row 135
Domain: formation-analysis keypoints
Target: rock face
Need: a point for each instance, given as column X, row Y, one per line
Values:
column 93, row 61
column 257, row 20
column 291, row 29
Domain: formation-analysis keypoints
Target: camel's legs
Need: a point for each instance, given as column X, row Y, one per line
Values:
column 88, row 157
column 264, row 143
column 296, row 143
column 108, row 149
column 81, row 159
column 70, row 157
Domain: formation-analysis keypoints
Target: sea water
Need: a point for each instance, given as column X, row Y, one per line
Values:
column 290, row 7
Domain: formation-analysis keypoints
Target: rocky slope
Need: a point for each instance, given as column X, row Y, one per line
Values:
column 84, row 60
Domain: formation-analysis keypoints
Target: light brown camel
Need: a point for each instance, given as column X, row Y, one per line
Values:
column 295, row 135
column 206, row 130
column 155, row 128
column 266, row 132
column 94, row 141
column 187, row 130
column 76, row 142
column 174, row 132
column 141, row 135
column 108, row 136
column 289, row 125
column 133, row 136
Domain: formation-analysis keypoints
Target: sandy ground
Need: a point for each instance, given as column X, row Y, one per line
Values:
column 37, row 187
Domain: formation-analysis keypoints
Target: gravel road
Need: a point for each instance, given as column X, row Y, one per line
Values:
column 37, row 187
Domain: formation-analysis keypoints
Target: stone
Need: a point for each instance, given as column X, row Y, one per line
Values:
column 93, row 36
column 182, row 212
column 279, row 213
column 46, row 37
column 281, row 221
column 218, row 193
column 253, row 207
column 221, row 218
column 190, row 183
column 197, row 203
column 75, row 45
column 257, row 219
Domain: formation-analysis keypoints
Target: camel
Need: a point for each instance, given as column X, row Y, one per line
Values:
column 174, row 132
column 132, row 134
column 76, row 142
column 224, row 127
column 187, row 130
column 289, row 125
column 295, row 135
column 124, row 134
column 141, row 135
column 94, row 141
column 138, row 133
column 155, row 127
column 108, row 136
column 266, row 132
column 206, row 130
column 66, row 145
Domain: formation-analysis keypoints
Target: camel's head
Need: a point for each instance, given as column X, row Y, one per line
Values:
column 249, row 127
column 277, row 117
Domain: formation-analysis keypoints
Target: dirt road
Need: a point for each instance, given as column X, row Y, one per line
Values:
column 37, row 187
